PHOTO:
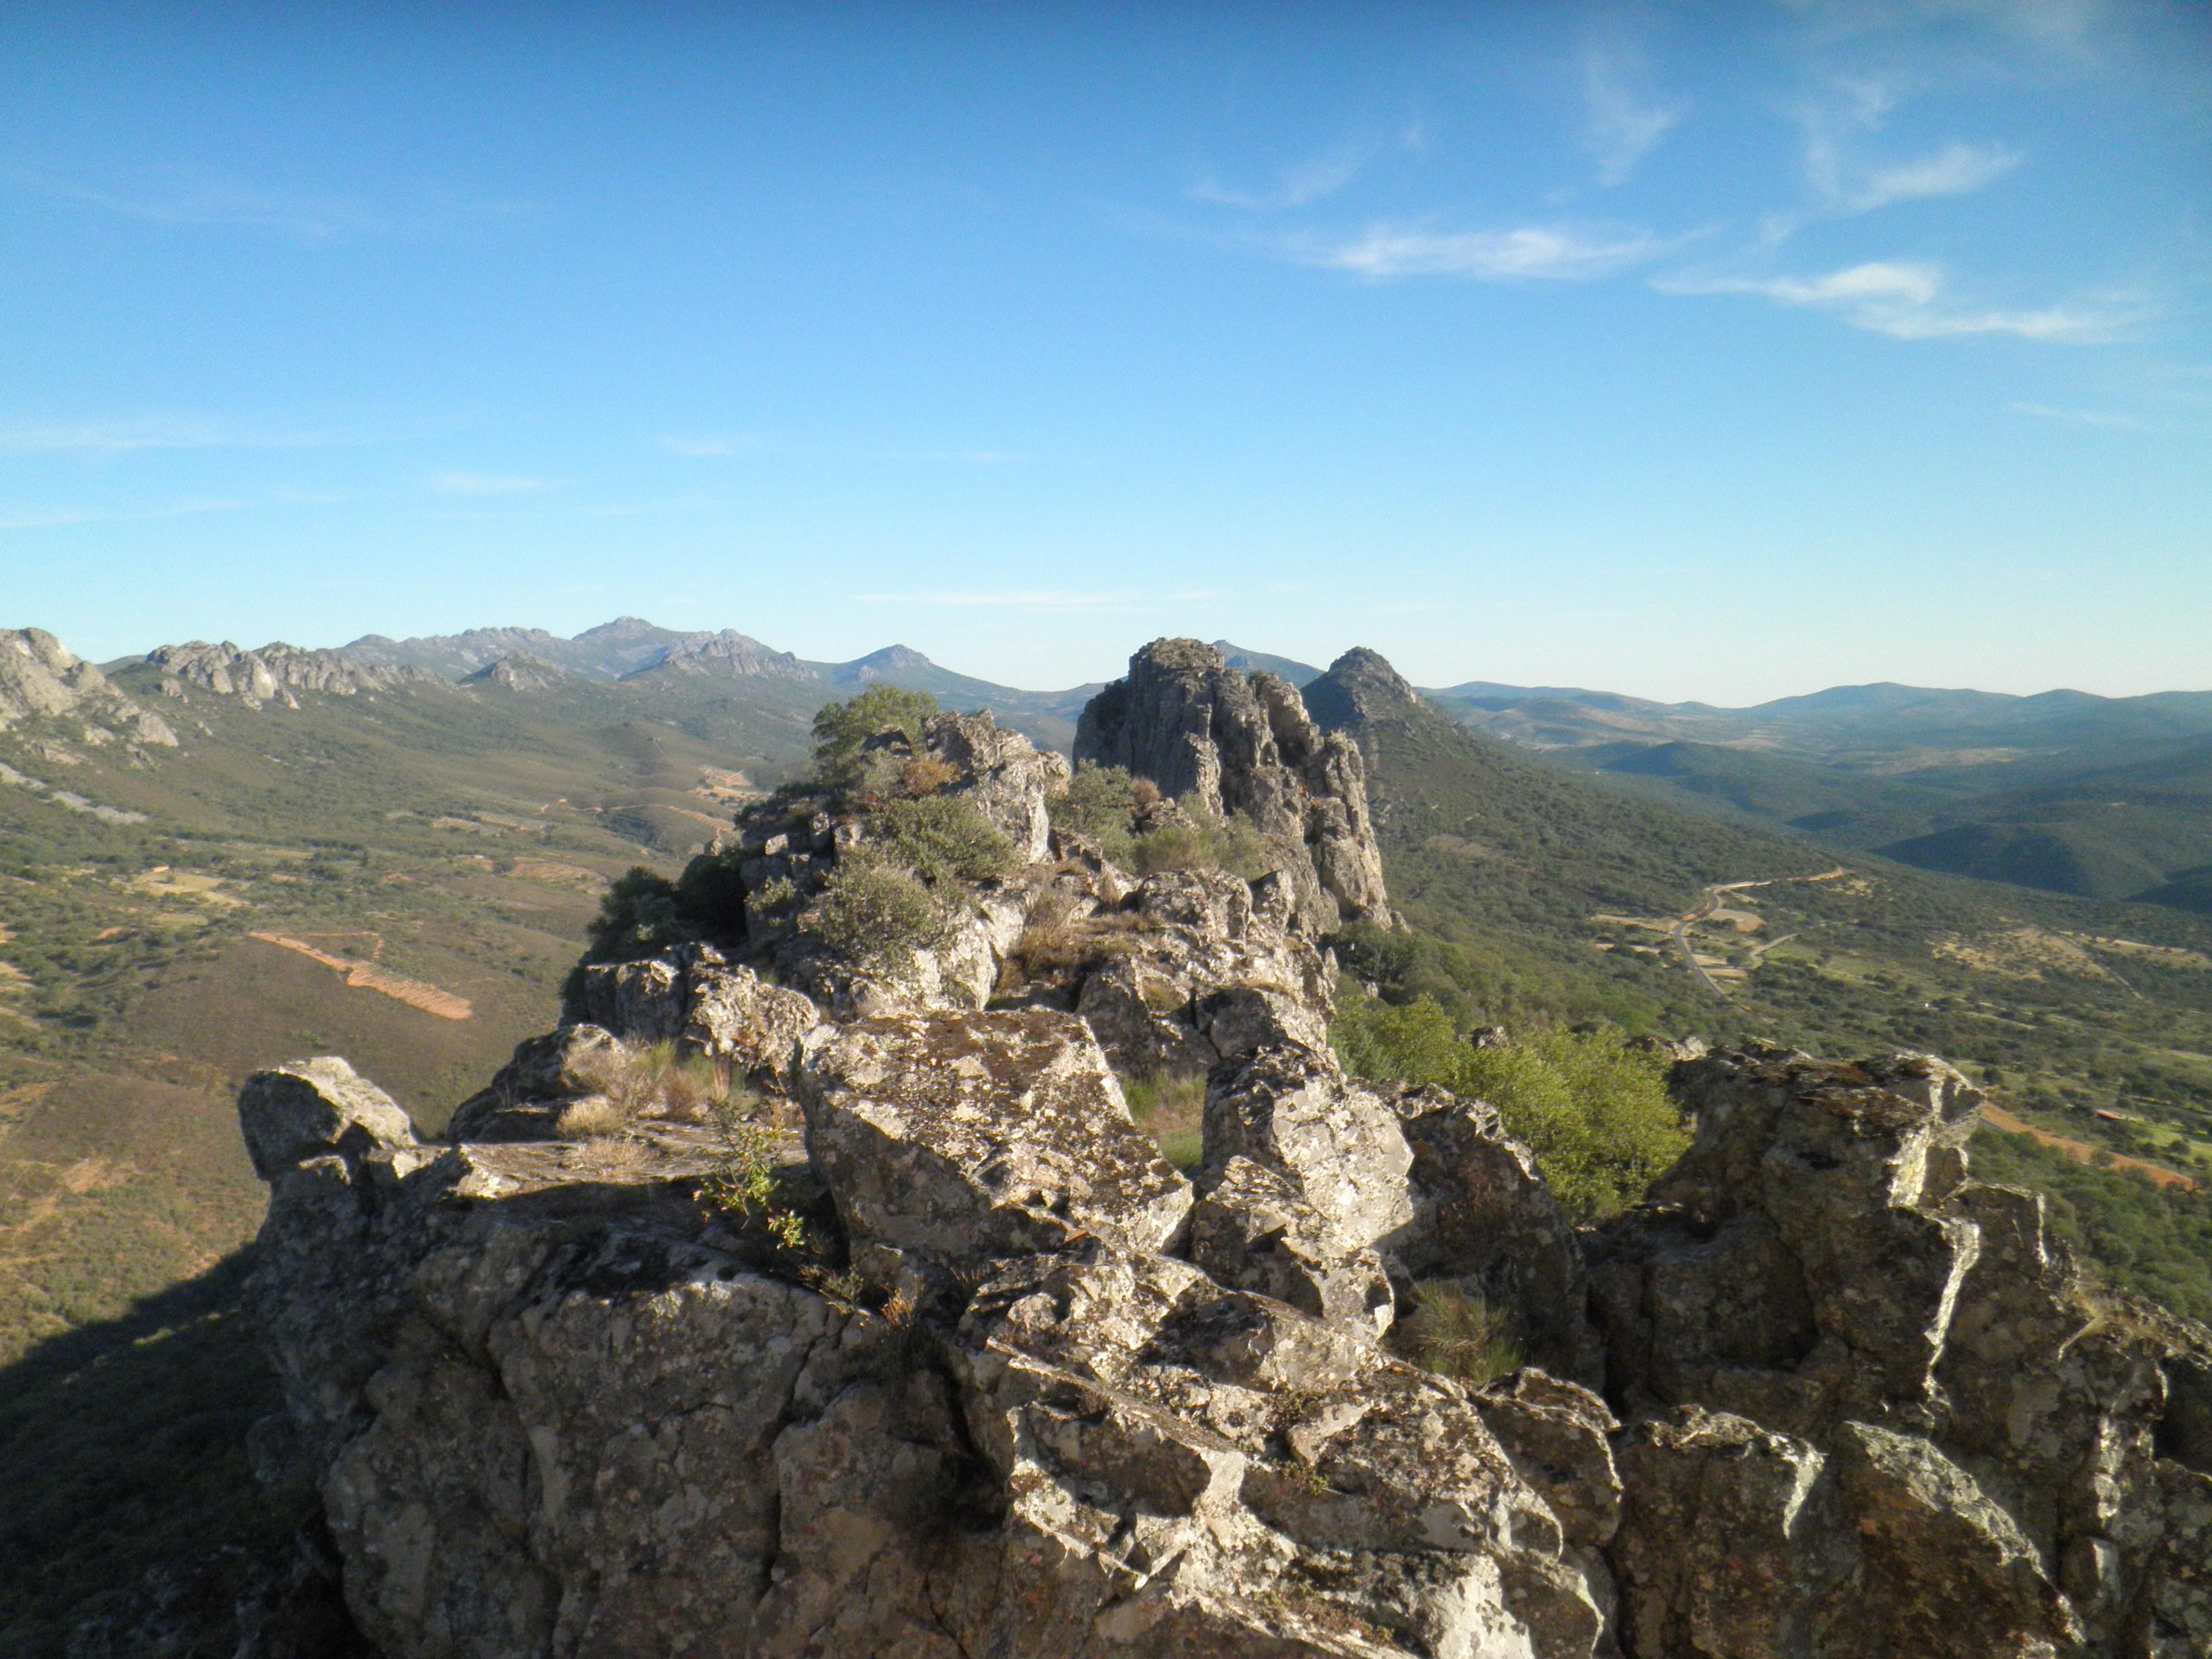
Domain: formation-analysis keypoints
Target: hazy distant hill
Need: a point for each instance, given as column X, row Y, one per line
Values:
column 636, row 653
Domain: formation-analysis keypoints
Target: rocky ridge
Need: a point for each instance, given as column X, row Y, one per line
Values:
column 41, row 679
column 275, row 673
column 967, row 1368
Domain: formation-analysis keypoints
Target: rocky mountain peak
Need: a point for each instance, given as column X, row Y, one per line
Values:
column 518, row 672
column 728, row 653
column 1359, row 686
column 41, row 679
column 1225, row 742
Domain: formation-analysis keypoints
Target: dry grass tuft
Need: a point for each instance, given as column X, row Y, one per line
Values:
column 1170, row 1108
column 1454, row 1332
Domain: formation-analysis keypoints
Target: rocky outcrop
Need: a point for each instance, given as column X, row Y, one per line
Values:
column 518, row 672
column 735, row 1320
column 729, row 653
column 275, row 673
column 1226, row 743
column 1879, row 1406
column 555, row 1405
column 41, row 679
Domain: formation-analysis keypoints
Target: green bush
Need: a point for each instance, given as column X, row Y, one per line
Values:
column 945, row 835
column 1593, row 1111
column 875, row 913
column 1100, row 801
column 841, row 729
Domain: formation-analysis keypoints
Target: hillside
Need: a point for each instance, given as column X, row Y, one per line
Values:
column 2093, row 1019
column 2103, row 798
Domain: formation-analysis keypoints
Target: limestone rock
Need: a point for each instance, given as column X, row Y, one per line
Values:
column 963, row 1137
column 1226, row 743
column 313, row 1108
column 275, row 673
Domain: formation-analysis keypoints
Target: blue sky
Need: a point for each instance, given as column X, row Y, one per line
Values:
column 1719, row 350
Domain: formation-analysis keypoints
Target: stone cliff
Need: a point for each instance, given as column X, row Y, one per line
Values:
column 801, row 1297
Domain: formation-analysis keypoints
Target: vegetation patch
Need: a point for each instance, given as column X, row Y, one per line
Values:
column 1593, row 1111
column 1454, row 1331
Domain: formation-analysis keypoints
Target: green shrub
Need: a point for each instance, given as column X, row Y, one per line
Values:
column 1205, row 842
column 943, row 836
column 841, row 729
column 638, row 915
column 1100, row 801
column 1593, row 1111
column 711, row 895
column 875, row 913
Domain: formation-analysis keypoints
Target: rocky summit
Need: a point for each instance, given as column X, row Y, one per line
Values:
column 813, row 1291
column 1234, row 743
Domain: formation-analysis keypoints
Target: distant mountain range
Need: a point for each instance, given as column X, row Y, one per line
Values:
column 2102, row 796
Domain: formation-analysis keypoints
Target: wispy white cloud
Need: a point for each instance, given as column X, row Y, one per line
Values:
column 1621, row 128
column 1912, row 301
column 1525, row 253
column 127, row 436
column 712, row 445
column 194, row 195
column 61, row 517
column 1297, row 186
column 1957, row 170
column 488, row 483
column 2109, row 420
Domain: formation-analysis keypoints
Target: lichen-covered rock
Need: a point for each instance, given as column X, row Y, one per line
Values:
column 1253, row 1228
column 1190, row 972
column 1928, row 1431
column 964, row 1137
column 1205, row 733
column 1008, row 778
column 524, row 1101
column 1335, row 1140
column 732, row 1014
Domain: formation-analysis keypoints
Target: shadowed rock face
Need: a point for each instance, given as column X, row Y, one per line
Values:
column 1229, row 743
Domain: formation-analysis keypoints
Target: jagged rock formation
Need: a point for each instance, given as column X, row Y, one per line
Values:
column 518, row 672
column 965, row 1367
column 1914, row 1425
column 1229, row 743
column 41, row 679
column 273, row 674
column 728, row 653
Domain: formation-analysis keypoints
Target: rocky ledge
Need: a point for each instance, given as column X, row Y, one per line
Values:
column 903, row 1339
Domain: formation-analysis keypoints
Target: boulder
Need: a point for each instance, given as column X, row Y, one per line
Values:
column 1481, row 1212
column 963, row 1137
column 315, row 1109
